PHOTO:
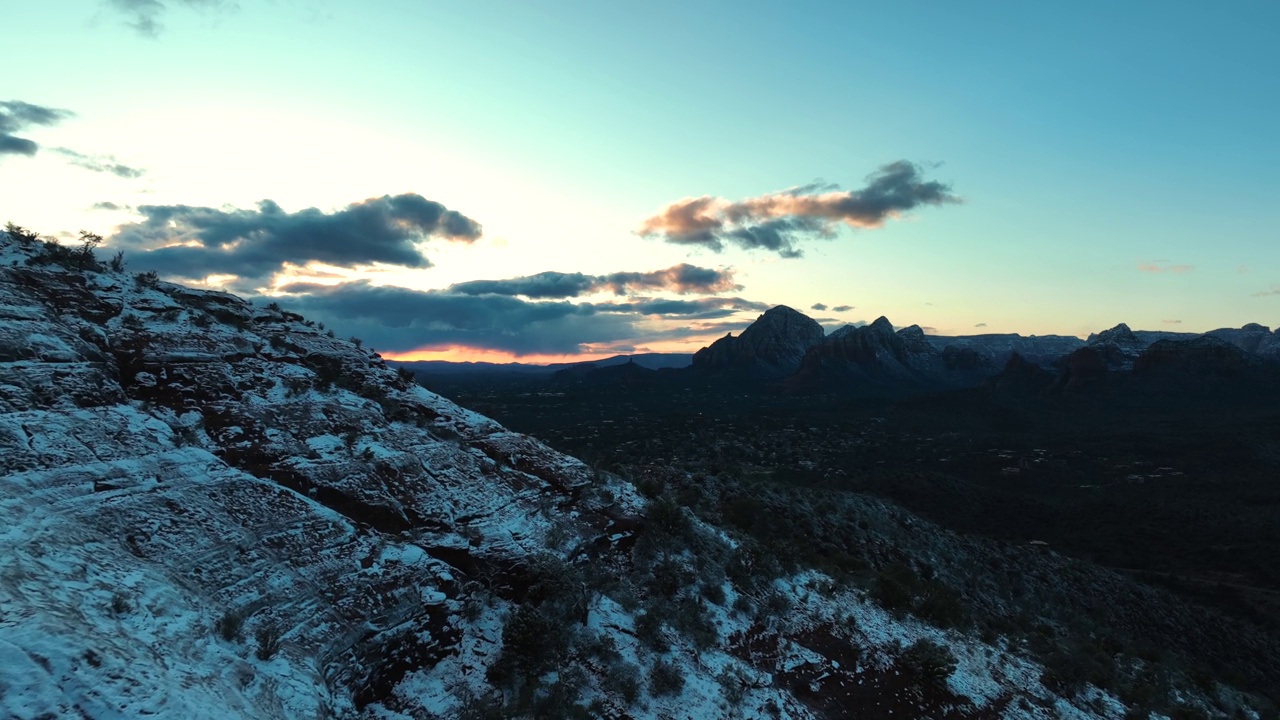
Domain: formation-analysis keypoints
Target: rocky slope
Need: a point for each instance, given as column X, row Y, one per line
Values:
column 212, row 509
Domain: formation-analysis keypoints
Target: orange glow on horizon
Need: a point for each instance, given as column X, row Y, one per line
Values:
column 463, row 353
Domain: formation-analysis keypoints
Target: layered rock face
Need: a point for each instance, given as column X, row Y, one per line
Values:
column 770, row 348
column 173, row 460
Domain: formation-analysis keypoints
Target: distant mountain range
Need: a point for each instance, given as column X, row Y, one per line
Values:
column 788, row 349
column 783, row 345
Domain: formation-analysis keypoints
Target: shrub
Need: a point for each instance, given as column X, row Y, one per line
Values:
column 895, row 589
column 665, row 679
column 146, row 279
column 20, row 234
column 622, row 679
column 120, row 604
column 733, row 685
column 928, row 661
column 117, row 261
column 230, row 626
column 268, row 637
column 649, row 632
column 532, row 642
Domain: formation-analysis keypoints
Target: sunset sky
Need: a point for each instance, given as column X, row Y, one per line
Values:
column 534, row 180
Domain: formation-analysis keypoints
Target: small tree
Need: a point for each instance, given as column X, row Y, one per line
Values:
column 85, row 258
column 929, row 661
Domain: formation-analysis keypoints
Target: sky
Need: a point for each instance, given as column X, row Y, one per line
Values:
column 539, row 181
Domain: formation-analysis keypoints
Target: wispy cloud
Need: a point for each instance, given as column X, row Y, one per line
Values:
column 1171, row 322
column 100, row 163
column 818, row 306
column 779, row 221
column 980, row 325
column 1160, row 266
column 16, row 116
column 195, row 242
column 1273, row 290
column 682, row 279
column 146, row 16
column 842, row 308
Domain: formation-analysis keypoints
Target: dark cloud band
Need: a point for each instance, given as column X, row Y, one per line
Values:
column 395, row 319
column 16, row 116
column 682, row 279
column 195, row 242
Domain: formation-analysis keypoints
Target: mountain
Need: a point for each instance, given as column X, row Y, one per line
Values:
column 1038, row 349
column 771, row 348
column 590, row 374
column 1019, row 378
column 213, row 509
column 878, row 361
column 874, row 359
column 1251, row 338
column 652, row 361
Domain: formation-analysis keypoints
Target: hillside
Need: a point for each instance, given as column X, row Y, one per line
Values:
column 213, row 509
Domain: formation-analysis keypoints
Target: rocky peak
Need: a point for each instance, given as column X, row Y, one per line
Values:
column 841, row 331
column 913, row 338
column 881, row 325
column 771, row 347
column 1120, row 335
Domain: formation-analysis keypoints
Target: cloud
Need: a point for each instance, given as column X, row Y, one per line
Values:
column 1273, row 290
column 195, row 242
column 395, row 319
column 144, row 16
column 701, row 309
column 16, row 116
column 1171, row 322
column 106, row 205
column 842, row 308
column 818, row 306
column 980, row 325
column 1159, row 266
column 682, row 279
column 778, row 221
column 100, row 163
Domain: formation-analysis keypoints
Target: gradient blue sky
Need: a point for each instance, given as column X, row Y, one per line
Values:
column 1117, row 161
